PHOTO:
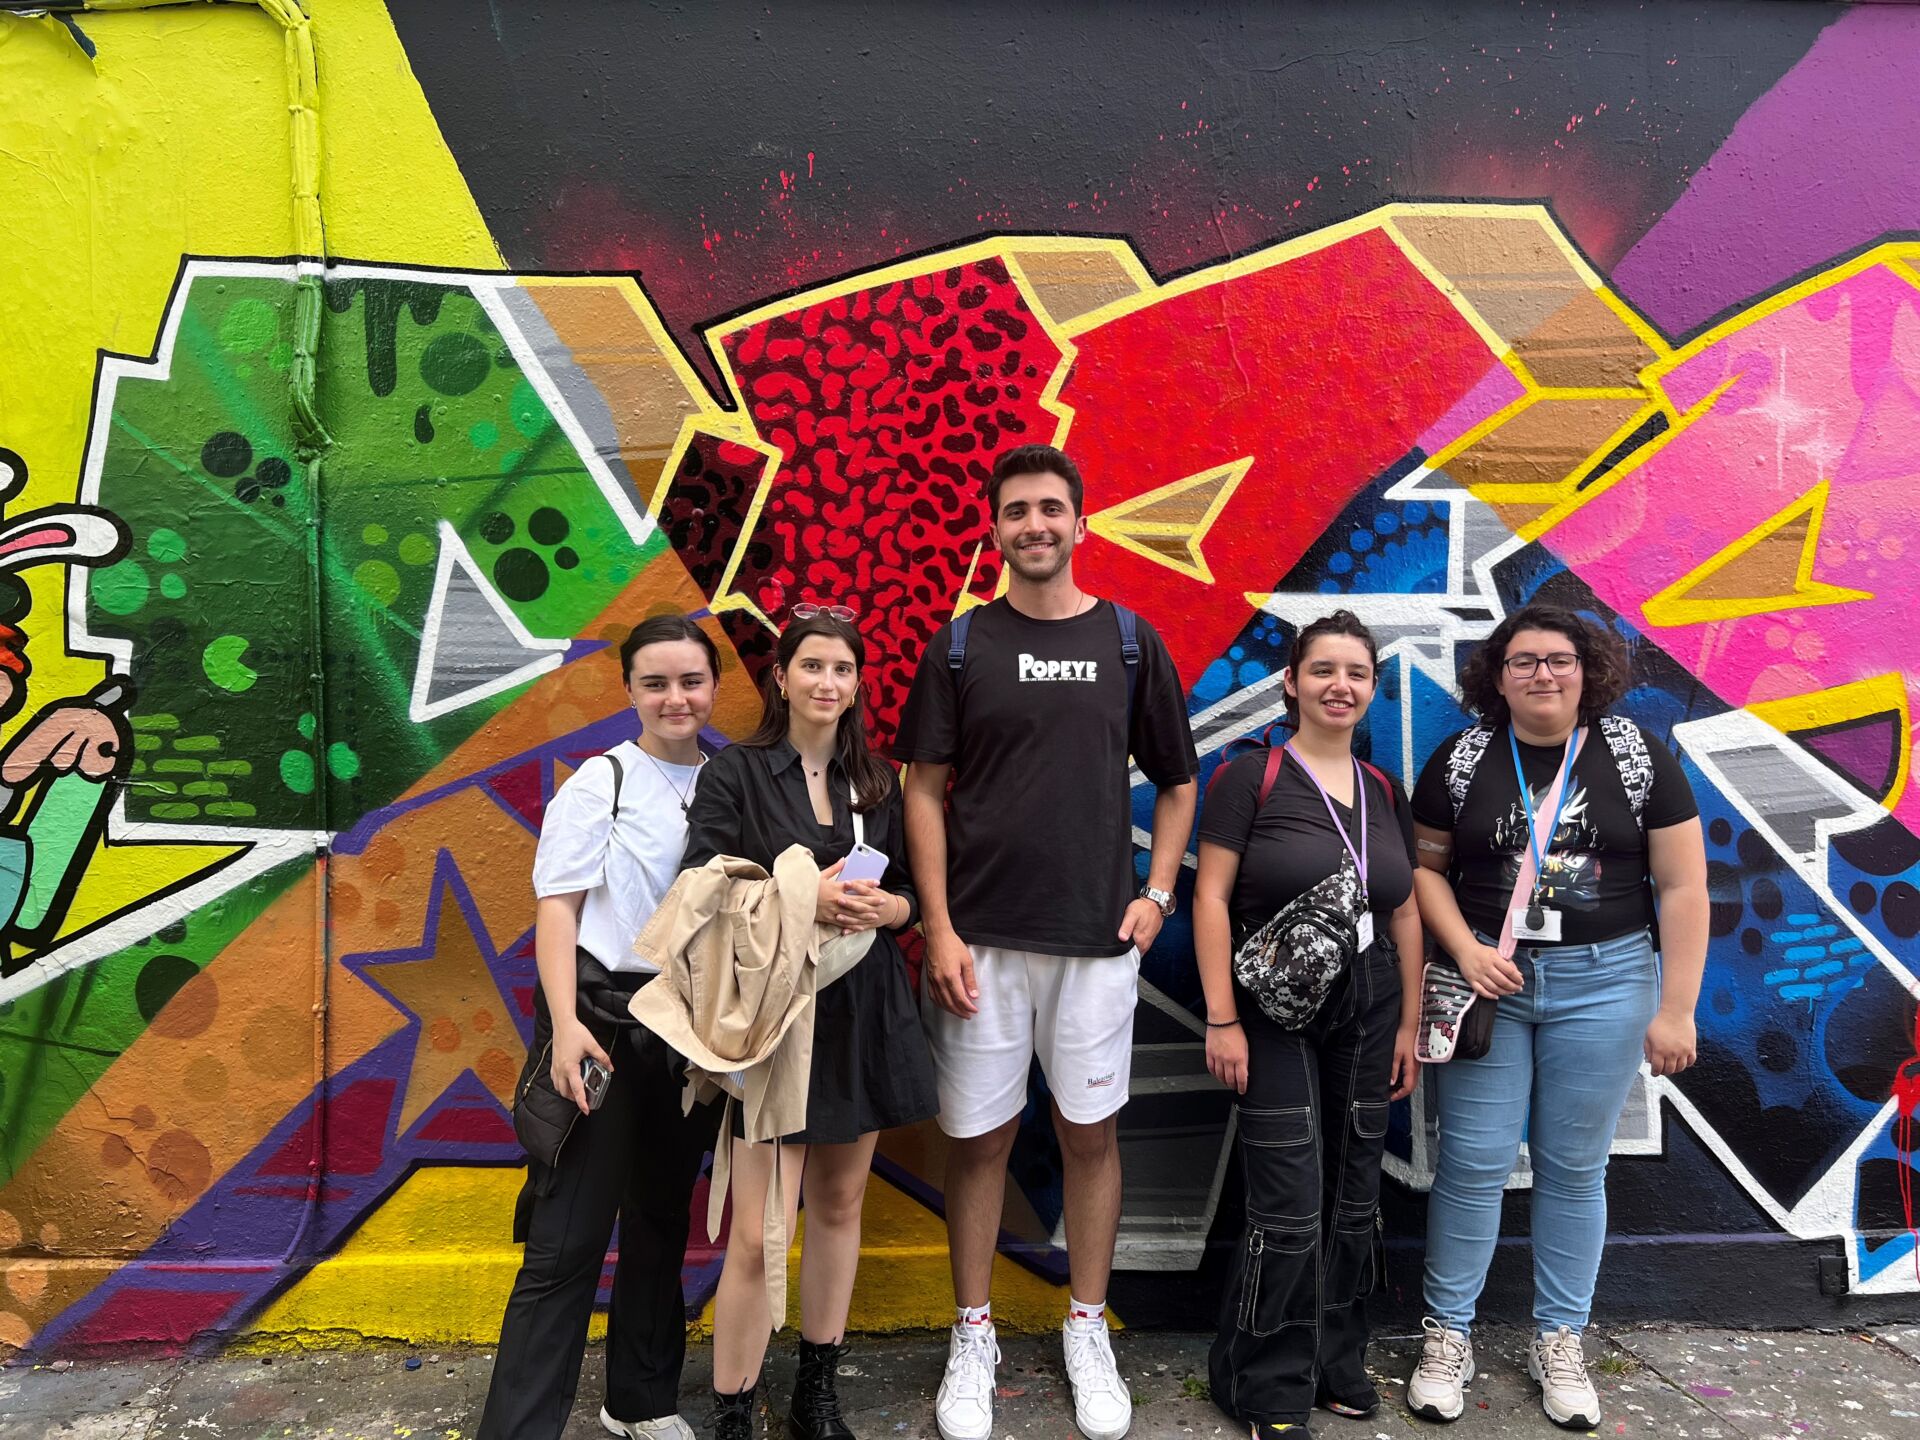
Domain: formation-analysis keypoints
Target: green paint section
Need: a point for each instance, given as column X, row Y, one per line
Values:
column 57, row 827
column 222, row 662
column 58, row 1040
column 418, row 390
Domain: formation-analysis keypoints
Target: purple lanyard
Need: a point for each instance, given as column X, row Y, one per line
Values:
column 1360, row 800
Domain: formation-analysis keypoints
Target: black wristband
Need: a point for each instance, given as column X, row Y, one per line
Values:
column 1222, row 1024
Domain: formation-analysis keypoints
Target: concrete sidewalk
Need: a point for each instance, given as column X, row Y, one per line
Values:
column 1711, row 1384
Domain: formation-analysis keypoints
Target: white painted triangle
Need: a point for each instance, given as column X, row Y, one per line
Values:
column 472, row 646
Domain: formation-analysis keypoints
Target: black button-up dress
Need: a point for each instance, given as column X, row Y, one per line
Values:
column 872, row 1069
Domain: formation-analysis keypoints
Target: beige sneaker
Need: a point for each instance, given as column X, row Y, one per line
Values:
column 1558, row 1366
column 667, row 1427
column 1434, row 1392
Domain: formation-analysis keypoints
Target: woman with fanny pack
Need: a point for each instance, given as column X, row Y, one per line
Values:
column 808, row 776
column 1308, row 942
column 1545, row 833
column 608, row 1145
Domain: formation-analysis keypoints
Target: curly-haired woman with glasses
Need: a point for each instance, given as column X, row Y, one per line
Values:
column 1583, row 990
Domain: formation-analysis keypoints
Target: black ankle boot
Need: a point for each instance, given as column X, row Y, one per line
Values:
column 733, row 1414
column 816, row 1404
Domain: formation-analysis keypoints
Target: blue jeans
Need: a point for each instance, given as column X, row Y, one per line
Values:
column 1564, row 1054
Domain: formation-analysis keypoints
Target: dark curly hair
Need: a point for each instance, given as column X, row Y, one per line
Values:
column 1605, row 671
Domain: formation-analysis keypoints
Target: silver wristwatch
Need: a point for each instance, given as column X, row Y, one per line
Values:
column 1162, row 898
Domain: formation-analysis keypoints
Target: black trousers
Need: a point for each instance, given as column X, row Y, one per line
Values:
column 635, row 1158
column 1312, row 1130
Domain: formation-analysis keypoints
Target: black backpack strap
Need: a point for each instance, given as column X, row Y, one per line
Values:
column 1462, row 761
column 1129, row 654
column 619, row 778
column 957, row 644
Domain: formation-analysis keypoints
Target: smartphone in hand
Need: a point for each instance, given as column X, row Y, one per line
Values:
column 864, row 863
column 596, row 1077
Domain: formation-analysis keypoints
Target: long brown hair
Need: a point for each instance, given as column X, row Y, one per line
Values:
column 871, row 776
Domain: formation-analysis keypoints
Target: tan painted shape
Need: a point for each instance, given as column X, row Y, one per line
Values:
column 1071, row 283
column 1543, row 444
column 1584, row 344
column 635, row 367
column 378, row 896
column 1771, row 568
column 465, row 1023
column 1516, row 272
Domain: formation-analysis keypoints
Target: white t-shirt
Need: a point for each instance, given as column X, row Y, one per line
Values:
column 625, row 866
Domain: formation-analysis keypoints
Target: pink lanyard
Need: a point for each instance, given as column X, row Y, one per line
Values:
column 1360, row 802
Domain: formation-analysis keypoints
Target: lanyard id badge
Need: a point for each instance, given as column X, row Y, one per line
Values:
column 1364, row 925
column 1535, row 920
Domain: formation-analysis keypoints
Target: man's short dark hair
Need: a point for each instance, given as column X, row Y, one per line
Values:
column 1033, row 460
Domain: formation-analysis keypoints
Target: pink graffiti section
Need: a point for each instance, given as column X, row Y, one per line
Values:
column 1770, row 546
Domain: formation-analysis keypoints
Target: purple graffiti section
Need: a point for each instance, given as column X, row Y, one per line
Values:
column 1822, row 165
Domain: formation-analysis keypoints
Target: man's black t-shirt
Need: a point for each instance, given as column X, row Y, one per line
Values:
column 1290, row 845
column 1596, row 875
column 1039, row 820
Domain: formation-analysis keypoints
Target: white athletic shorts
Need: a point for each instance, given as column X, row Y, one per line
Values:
column 1075, row 1012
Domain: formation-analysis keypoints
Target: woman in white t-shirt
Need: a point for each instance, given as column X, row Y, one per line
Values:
column 610, row 848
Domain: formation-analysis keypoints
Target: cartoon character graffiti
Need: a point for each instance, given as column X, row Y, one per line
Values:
column 74, row 747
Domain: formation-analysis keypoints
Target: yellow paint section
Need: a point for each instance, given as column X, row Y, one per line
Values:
column 904, row 1282
column 451, row 1223
column 188, row 152
column 1879, row 694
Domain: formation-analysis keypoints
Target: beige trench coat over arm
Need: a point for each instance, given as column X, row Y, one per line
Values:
column 737, row 950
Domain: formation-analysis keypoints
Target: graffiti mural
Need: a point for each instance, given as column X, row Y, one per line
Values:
column 278, row 749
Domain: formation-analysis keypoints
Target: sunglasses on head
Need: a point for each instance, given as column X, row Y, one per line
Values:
column 806, row 610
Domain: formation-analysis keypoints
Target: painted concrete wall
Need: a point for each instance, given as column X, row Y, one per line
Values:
column 313, row 568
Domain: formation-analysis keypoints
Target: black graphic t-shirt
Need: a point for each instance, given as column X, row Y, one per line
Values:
column 1596, row 875
column 1039, row 820
column 1290, row 845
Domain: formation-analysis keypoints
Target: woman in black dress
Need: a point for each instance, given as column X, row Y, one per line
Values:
column 799, row 779
column 1312, row 1099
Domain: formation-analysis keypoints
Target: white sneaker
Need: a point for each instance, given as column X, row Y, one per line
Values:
column 667, row 1427
column 964, row 1407
column 1558, row 1366
column 1102, row 1404
column 1445, row 1367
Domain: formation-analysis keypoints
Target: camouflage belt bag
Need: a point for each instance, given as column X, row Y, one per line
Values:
column 1290, row 963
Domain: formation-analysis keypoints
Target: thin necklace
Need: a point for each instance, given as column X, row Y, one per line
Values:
column 683, row 796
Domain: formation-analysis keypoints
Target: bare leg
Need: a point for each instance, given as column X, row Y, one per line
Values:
column 836, row 1185
column 976, row 1190
column 741, row 1322
column 1090, row 1160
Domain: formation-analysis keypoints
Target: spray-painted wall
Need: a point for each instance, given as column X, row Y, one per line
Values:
column 312, row 569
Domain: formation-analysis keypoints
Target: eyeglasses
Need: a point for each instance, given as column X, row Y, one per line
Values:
column 806, row 610
column 1524, row 667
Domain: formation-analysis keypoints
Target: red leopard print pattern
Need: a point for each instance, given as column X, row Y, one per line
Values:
column 889, row 406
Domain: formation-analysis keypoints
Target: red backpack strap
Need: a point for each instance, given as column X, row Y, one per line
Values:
column 1275, row 754
column 1386, row 782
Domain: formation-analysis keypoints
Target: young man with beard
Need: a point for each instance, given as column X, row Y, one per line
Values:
column 1032, row 705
